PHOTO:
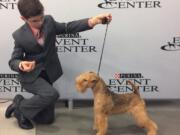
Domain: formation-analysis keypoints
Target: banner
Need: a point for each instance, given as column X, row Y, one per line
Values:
column 142, row 45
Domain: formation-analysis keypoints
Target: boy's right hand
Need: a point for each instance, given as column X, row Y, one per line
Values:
column 27, row 66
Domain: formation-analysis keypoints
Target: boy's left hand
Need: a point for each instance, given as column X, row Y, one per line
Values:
column 100, row 19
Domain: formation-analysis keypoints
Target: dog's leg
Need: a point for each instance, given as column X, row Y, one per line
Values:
column 102, row 124
column 143, row 120
column 95, row 127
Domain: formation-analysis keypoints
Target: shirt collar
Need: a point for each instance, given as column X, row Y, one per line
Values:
column 34, row 30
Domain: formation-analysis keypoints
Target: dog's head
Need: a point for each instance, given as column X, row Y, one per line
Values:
column 86, row 80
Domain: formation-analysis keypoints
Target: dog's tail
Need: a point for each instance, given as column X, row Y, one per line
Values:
column 134, row 87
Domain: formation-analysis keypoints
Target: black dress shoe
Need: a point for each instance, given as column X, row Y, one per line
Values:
column 10, row 109
column 23, row 122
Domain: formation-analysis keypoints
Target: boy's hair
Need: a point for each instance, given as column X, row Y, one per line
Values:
column 30, row 8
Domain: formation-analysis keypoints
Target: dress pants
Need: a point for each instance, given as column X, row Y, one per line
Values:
column 41, row 107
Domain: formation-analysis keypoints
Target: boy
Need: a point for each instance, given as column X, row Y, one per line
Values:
column 35, row 59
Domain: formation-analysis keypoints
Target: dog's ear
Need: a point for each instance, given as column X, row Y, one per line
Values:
column 94, row 79
column 92, row 82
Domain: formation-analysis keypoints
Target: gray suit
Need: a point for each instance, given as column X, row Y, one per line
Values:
column 27, row 48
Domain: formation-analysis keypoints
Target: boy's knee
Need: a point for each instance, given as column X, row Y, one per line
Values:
column 50, row 97
column 54, row 95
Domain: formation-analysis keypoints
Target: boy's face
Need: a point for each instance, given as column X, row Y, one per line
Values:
column 35, row 21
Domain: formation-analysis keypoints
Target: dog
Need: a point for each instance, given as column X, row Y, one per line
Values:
column 107, row 103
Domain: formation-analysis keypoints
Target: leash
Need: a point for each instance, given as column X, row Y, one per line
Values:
column 104, row 41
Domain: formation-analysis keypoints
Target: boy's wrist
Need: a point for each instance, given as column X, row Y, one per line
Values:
column 93, row 21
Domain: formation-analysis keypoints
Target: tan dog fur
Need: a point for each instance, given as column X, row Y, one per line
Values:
column 107, row 103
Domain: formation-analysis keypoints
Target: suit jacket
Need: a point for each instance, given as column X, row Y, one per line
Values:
column 46, row 57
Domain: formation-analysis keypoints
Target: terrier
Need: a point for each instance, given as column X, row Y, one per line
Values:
column 107, row 103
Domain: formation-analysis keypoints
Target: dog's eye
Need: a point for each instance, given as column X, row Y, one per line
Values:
column 94, row 81
column 84, row 80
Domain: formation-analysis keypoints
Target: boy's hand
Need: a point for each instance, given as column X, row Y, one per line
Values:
column 27, row 66
column 100, row 19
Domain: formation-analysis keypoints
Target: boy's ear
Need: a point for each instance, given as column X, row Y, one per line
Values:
column 23, row 18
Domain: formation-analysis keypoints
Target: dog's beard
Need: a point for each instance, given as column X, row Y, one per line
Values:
column 80, row 89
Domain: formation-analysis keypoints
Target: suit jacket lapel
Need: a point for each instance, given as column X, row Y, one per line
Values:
column 45, row 32
column 29, row 38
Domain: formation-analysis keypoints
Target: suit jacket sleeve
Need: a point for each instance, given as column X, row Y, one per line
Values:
column 72, row 27
column 16, row 57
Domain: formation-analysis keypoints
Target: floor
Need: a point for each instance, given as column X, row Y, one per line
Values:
column 79, row 121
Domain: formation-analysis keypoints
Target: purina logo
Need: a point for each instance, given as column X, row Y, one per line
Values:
column 8, row 4
column 127, row 4
column 119, row 84
column 9, row 83
column 172, row 46
column 70, row 43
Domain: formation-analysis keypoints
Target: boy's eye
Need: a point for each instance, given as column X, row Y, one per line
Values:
column 35, row 21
